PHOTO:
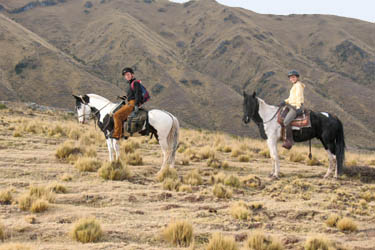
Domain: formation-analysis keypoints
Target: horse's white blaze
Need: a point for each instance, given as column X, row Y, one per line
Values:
column 325, row 113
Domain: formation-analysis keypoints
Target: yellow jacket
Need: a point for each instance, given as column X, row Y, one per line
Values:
column 296, row 98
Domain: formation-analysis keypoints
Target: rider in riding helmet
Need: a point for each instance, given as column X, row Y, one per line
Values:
column 295, row 105
column 134, row 97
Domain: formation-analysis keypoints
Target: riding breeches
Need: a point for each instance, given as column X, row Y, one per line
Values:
column 120, row 116
column 290, row 116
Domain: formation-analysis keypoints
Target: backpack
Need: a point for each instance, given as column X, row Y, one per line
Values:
column 145, row 95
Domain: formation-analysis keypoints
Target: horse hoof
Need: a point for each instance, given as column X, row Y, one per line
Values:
column 275, row 177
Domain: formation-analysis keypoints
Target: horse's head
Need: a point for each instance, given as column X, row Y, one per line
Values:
column 249, row 106
column 82, row 107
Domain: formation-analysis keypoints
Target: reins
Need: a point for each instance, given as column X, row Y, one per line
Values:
column 93, row 115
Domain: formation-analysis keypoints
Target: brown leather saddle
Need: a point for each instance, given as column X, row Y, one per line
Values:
column 301, row 121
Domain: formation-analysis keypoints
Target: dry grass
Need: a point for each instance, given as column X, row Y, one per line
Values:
column 265, row 153
column 66, row 177
column 236, row 152
column 5, row 197
column 313, row 162
column 346, row 224
column 317, row 243
column 87, row 230
column 251, row 181
column 239, row 210
column 296, row 157
column 57, row 188
column 133, row 159
column 179, row 233
column 185, row 188
column 171, row 184
column 166, row 173
column 15, row 246
column 25, row 202
column 220, row 242
column 233, row 181
column 68, row 150
column 218, row 178
column 39, row 206
column 114, row 171
column 42, row 192
column 221, row 191
column 207, row 152
column 193, row 178
column 332, row 220
column 259, row 241
column 129, row 146
column 87, row 164
column 244, row 158
column 2, row 232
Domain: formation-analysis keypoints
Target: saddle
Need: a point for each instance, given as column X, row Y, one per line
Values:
column 136, row 122
column 301, row 121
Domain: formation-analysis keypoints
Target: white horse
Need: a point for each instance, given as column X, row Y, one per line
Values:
column 163, row 125
column 324, row 126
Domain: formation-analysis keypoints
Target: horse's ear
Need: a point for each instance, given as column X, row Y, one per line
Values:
column 254, row 94
column 77, row 98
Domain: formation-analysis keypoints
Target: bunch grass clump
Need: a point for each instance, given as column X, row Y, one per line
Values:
column 39, row 205
column 5, row 197
column 185, row 188
column 251, row 181
column 165, row 173
column 313, row 162
column 220, row 242
column 87, row 230
column 240, row 211
column 37, row 200
column 220, row 191
column 296, row 157
column 57, row 188
column 115, row 171
column 232, row 180
column 332, row 220
column 129, row 146
column 244, row 158
column 171, row 184
column 2, row 232
column 193, row 178
column 206, row 153
column 259, row 241
column 218, row 178
column 347, row 224
column 87, row 164
column 317, row 243
column 179, row 233
column 133, row 159
column 265, row 153
column 68, row 150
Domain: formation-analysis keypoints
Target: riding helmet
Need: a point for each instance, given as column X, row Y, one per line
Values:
column 293, row 73
column 126, row 70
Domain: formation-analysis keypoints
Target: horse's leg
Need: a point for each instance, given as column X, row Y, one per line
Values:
column 164, row 148
column 116, row 146
column 110, row 148
column 272, row 146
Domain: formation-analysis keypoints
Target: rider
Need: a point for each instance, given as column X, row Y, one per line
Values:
column 295, row 105
column 134, row 96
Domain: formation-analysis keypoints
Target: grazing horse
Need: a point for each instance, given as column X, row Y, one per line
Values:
column 162, row 124
column 326, row 127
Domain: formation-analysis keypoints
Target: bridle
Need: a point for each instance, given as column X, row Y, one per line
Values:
column 261, row 122
column 92, row 115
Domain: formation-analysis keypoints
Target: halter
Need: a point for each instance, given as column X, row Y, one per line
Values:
column 93, row 114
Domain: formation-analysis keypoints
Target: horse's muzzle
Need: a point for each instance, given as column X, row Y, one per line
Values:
column 246, row 119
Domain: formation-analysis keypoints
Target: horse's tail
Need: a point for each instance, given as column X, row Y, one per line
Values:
column 340, row 147
column 173, row 139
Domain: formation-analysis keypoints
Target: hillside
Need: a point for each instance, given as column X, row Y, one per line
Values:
column 197, row 57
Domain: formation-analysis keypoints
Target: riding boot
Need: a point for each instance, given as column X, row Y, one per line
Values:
column 288, row 142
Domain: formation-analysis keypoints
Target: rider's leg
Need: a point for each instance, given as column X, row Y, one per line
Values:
column 288, row 143
column 120, row 116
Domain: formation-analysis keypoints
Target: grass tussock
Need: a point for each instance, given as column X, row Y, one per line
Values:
column 68, row 150
column 179, row 233
column 313, row 162
column 244, row 158
column 347, row 224
column 240, row 211
column 251, row 181
column 317, row 243
column 193, row 178
column 216, row 163
column 296, row 157
column 87, row 164
column 42, row 192
column 14, row 246
column 220, row 191
column 129, row 146
column 220, row 242
column 133, row 159
column 66, row 177
column 232, row 180
column 171, row 184
column 5, row 197
column 166, row 173
column 2, row 232
column 57, row 188
column 185, row 161
column 87, row 230
column 206, row 153
column 218, row 178
column 185, row 188
column 265, row 153
column 90, row 152
column 39, row 206
column 259, row 241
column 115, row 171
column 332, row 220
column 236, row 152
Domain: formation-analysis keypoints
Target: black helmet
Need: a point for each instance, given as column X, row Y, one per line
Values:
column 126, row 70
column 293, row 73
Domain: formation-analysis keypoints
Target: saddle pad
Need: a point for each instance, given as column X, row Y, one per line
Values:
column 302, row 121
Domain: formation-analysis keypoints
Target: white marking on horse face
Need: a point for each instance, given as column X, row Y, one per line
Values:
column 325, row 113
column 83, row 112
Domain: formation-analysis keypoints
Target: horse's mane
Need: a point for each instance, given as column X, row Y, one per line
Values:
column 101, row 98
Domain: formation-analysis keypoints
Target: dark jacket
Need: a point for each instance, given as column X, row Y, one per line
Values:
column 135, row 94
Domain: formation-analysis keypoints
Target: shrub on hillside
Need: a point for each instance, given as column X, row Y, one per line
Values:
column 114, row 171
column 179, row 233
column 220, row 242
column 87, row 230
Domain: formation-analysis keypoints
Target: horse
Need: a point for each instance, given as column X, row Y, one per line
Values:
column 324, row 126
column 162, row 124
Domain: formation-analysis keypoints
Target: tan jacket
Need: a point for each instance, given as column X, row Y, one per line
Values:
column 296, row 98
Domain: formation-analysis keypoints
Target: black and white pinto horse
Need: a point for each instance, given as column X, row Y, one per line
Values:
column 163, row 125
column 326, row 127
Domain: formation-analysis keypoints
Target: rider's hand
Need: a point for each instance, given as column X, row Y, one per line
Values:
column 282, row 104
column 136, row 109
column 299, row 112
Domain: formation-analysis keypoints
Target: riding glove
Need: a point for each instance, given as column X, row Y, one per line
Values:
column 299, row 112
column 282, row 104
